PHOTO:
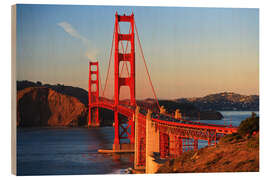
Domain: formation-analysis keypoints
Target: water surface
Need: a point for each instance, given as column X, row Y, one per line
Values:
column 55, row 151
column 44, row 151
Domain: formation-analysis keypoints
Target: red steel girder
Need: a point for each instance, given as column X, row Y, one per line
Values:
column 118, row 81
column 93, row 95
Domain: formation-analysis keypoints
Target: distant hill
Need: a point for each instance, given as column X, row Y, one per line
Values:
column 188, row 110
column 224, row 101
column 169, row 105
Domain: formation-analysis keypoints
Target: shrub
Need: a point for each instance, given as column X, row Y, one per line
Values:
column 249, row 125
column 230, row 138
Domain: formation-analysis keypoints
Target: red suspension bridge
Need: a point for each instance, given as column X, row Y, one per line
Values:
column 144, row 131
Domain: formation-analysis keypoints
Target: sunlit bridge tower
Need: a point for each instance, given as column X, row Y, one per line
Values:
column 93, row 94
column 124, row 130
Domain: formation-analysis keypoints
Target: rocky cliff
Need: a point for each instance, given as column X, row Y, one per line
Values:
column 43, row 106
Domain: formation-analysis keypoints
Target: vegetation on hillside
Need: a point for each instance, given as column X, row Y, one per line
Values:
column 238, row 152
column 249, row 126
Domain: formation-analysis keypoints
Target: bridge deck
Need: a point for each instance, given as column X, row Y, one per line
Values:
column 165, row 119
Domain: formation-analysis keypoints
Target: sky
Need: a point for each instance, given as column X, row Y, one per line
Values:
column 190, row 52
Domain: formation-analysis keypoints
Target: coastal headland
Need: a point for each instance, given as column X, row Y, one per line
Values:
column 45, row 105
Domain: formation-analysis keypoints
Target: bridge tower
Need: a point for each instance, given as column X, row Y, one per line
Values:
column 93, row 94
column 123, row 130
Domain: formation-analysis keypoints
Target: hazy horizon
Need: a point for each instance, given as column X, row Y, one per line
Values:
column 190, row 52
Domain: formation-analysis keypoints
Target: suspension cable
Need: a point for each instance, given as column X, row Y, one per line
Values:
column 149, row 78
column 110, row 59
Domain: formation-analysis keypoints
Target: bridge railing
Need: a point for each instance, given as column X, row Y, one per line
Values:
column 182, row 122
column 188, row 124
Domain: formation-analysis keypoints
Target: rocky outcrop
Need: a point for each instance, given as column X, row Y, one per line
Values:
column 79, row 93
column 42, row 106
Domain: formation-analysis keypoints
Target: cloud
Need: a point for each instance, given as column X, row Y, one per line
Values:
column 91, row 52
column 72, row 31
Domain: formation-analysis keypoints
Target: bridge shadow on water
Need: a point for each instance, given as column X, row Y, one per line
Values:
column 105, row 136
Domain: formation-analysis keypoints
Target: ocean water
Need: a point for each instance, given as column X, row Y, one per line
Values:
column 233, row 118
column 70, row 151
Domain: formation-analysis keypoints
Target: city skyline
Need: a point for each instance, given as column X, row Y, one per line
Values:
column 190, row 52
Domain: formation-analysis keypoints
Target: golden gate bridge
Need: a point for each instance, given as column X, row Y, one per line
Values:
column 145, row 131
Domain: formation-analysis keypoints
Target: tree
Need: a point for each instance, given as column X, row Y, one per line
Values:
column 39, row 83
column 249, row 125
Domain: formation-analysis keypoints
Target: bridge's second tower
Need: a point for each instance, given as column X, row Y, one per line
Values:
column 93, row 94
column 124, row 130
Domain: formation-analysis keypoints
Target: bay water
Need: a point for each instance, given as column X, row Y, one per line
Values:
column 73, row 151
